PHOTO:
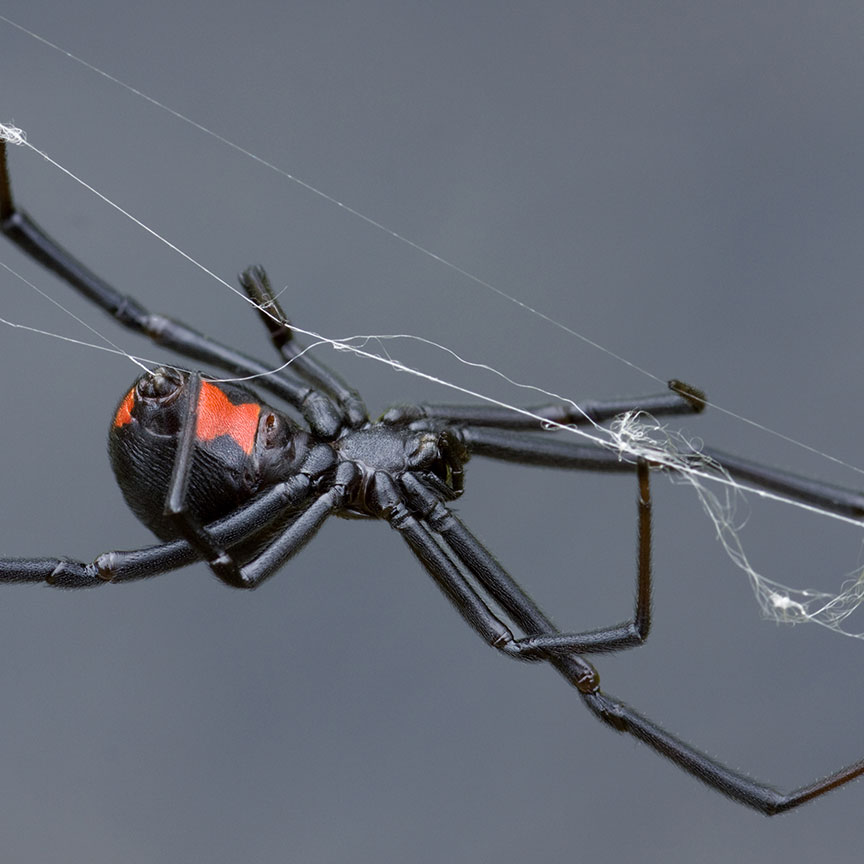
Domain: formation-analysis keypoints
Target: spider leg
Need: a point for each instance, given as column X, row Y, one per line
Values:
column 536, row 448
column 218, row 558
column 546, row 642
column 245, row 522
column 287, row 542
column 420, row 537
column 581, row 674
column 541, row 448
column 680, row 399
column 447, row 575
column 835, row 499
column 322, row 413
column 737, row 786
column 292, row 539
column 256, row 284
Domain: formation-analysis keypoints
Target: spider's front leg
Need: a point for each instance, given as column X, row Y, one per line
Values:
column 737, row 786
column 512, row 436
column 559, row 650
column 541, row 642
column 679, row 399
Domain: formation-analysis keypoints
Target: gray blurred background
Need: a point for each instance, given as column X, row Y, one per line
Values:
column 679, row 182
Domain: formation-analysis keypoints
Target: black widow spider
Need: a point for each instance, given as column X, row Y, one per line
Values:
column 219, row 475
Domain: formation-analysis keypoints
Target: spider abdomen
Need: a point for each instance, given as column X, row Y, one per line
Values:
column 240, row 445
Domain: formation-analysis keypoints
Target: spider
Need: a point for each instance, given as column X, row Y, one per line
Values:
column 218, row 474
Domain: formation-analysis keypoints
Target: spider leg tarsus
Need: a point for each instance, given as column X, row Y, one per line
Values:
column 256, row 283
column 692, row 395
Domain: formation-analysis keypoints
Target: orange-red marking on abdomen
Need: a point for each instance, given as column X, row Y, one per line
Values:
column 124, row 412
column 218, row 416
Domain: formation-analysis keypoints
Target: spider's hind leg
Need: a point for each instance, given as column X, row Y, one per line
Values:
column 176, row 502
column 256, row 283
column 320, row 411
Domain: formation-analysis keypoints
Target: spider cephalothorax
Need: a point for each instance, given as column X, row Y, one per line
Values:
column 220, row 476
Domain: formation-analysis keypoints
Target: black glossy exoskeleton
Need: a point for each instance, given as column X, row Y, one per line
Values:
column 219, row 475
